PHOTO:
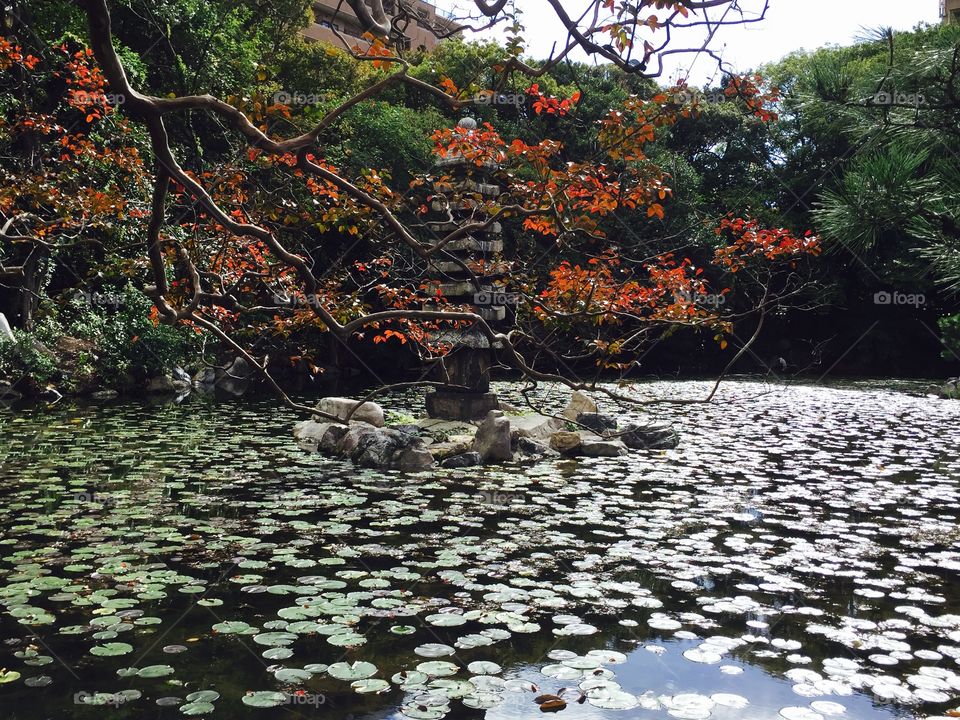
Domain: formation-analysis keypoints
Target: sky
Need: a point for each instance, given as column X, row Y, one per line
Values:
column 788, row 26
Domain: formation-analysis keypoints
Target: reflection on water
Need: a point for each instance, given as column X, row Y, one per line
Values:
column 795, row 557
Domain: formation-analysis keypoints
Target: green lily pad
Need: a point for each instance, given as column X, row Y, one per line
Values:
column 111, row 649
column 264, row 698
column 352, row 671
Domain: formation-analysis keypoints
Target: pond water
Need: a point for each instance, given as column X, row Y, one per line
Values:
column 796, row 557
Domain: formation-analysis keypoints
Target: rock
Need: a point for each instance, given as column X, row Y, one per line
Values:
column 598, row 422
column 376, row 449
column 492, row 440
column 535, row 426
column 565, row 441
column 529, row 446
column 409, row 429
column 5, row 332
column 950, row 389
column 443, row 450
column 579, row 403
column 415, row 459
column 233, row 380
column 319, row 436
column 348, row 443
column 508, row 408
column 390, row 448
column 204, row 379
column 649, row 437
column 342, row 408
column 603, row 448
column 181, row 379
column 468, row 459
column 161, row 384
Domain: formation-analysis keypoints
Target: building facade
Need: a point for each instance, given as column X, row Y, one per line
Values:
column 950, row 11
column 336, row 16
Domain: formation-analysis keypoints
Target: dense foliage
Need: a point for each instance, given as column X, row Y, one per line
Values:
column 673, row 191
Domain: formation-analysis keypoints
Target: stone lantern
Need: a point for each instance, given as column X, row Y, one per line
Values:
column 466, row 368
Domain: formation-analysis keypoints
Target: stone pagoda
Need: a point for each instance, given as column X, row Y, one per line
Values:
column 466, row 368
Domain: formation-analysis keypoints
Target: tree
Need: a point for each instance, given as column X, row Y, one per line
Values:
column 254, row 229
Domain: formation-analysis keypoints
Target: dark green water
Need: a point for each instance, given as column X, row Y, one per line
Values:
column 798, row 553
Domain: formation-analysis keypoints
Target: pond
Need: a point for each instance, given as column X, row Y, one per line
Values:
column 796, row 557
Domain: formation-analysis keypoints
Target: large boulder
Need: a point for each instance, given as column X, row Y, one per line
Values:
column 376, row 449
column 492, row 440
column 343, row 408
column 649, row 437
column 598, row 422
column 534, row 426
column 566, row 442
column 579, row 403
column 348, row 443
column 233, row 380
column 161, row 384
column 390, row 448
column 603, row 448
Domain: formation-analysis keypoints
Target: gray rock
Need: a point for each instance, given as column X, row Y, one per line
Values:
column 414, row 459
column 603, row 448
column 649, row 437
column 348, row 443
column 390, row 448
column 204, row 379
column 233, row 380
column 533, row 425
column 463, row 460
column 376, row 449
column 161, row 384
column 5, row 332
column 181, row 379
column 598, row 422
column 492, row 440
column 579, row 403
column 319, row 436
column 342, row 408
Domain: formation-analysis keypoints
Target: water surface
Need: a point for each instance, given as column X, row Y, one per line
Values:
column 796, row 557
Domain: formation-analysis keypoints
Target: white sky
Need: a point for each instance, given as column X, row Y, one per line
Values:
column 789, row 25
